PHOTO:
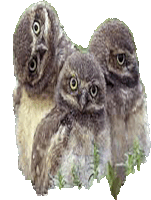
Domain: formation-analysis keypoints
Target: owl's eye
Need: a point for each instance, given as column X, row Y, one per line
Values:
column 73, row 83
column 120, row 58
column 32, row 65
column 36, row 27
column 93, row 90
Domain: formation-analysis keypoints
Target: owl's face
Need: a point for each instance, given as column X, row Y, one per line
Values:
column 33, row 47
column 81, row 84
column 114, row 47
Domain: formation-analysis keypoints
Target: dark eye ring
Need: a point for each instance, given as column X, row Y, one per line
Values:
column 73, row 83
column 32, row 65
column 93, row 90
column 36, row 27
column 120, row 58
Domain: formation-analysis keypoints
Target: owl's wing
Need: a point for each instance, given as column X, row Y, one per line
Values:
column 103, row 145
column 64, row 49
column 130, row 144
column 138, row 131
column 118, row 147
column 49, row 142
column 17, row 92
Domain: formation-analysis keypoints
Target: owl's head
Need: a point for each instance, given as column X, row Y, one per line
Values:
column 114, row 47
column 81, row 84
column 34, row 47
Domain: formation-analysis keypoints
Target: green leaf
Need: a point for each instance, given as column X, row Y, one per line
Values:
column 114, row 181
column 76, row 180
column 61, row 180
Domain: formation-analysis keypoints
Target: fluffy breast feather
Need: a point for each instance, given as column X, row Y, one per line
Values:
column 138, row 128
column 30, row 113
column 78, row 156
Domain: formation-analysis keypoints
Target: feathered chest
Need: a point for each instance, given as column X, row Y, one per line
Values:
column 30, row 113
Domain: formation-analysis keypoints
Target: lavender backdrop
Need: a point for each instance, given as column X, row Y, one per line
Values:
column 80, row 19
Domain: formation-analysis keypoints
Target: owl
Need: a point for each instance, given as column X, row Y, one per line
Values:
column 40, row 48
column 65, row 139
column 113, row 46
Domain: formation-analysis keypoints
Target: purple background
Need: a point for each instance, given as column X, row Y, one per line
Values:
column 80, row 19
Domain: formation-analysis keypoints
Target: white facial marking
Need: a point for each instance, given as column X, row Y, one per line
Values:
column 46, row 23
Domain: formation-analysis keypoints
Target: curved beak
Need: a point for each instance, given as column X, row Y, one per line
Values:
column 41, row 48
column 83, row 99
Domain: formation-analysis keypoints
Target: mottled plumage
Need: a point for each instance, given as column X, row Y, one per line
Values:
column 114, row 48
column 40, row 48
column 64, row 140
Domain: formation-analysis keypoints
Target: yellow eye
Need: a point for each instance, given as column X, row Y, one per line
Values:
column 120, row 58
column 73, row 83
column 36, row 27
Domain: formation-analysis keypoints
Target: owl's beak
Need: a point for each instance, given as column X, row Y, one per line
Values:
column 83, row 99
column 41, row 48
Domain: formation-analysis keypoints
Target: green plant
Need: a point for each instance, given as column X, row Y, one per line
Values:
column 114, row 181
column 60, row 180
column 76, row 180
column 80, row 48
column 96, row 161
column 133, row 159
